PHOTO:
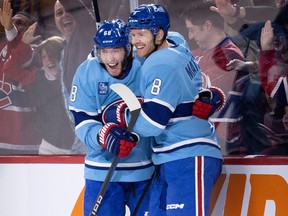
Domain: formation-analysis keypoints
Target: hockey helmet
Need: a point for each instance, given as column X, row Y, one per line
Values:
column 112, row 34
column 150, row 16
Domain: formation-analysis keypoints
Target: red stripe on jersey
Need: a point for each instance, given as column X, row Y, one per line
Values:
column 199, row 186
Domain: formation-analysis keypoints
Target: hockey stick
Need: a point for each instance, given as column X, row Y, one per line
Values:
column 97, row 13
column 134, row 106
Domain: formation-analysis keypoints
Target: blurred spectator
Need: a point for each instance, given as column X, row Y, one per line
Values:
column 206, row 28
column 237, row 15
column 245, row 23
column 252, row 108
column 255, row 108
column 245, row 107
column 241, row 21
column 273, row 62
column 17, row 117
column 53, row 118
column 77, row 26
column 215, row 51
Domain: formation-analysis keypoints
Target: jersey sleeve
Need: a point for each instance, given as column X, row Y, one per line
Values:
column 85, row 107
column 272, row 80
column 20, row 66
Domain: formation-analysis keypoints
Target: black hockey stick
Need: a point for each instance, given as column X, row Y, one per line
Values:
column 134, row 106
column 147, row 186
column 97, row 13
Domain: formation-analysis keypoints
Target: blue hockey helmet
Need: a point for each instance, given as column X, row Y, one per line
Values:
column 150, row 16
column 112, row 34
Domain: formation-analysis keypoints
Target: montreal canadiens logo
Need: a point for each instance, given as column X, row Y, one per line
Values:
column 110, row 108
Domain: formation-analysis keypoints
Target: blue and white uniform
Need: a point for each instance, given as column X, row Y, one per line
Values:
column 93, row 103
column 90, row 96
column 187, row 148
column 170, row 84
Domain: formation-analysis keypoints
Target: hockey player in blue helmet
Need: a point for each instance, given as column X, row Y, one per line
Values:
column 187, row 149
column 112, row 35
column 91, row 102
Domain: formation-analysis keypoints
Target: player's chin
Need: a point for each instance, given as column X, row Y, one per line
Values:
column 142, row 53
column 115, row 72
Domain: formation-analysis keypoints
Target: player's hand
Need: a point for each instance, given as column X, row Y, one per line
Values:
column 209, row 101
column 116, row 139
column 117, row 114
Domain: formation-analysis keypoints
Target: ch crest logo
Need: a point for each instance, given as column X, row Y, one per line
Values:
column 5, row 90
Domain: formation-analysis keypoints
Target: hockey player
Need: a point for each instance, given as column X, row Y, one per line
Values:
column 187, row 150
column 90, row 102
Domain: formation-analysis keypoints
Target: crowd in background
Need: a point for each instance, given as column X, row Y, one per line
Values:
column 241, row 47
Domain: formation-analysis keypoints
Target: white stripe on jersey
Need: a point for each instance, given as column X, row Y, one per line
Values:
column 107, row 165
column 163, row 103
column 85, row 122
column 85, row 111
column 185, row 142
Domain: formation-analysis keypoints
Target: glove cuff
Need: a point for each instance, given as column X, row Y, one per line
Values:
column 102, row 134
column 121, row 112
column 220, row 94
column 135, row 137
column 206, row 93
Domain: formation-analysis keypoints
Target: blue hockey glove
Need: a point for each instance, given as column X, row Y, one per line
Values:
column 117, row 113
column 116, row 139
column 210, row 101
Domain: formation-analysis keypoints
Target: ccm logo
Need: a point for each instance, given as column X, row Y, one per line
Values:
column 175, row 206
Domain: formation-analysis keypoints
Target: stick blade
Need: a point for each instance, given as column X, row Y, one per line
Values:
column 127, row 95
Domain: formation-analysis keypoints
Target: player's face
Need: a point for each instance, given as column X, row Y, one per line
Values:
column 113, row 59
column 197, row 34
column 64, row 21
column 143, row 41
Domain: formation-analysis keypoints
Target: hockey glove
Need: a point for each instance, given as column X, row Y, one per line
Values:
column 118, row 114
column 209, row 101
column 116, row 139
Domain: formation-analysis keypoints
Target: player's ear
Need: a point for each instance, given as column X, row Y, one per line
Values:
column 159, row 37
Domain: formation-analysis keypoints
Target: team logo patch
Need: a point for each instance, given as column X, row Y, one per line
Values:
column 102, row 88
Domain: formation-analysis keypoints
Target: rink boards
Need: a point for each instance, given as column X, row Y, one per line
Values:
column 53, row 185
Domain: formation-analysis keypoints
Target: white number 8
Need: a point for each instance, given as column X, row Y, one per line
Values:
column 73, row 93
column 155, row 90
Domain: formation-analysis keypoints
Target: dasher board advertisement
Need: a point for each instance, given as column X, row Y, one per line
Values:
column 53, row 185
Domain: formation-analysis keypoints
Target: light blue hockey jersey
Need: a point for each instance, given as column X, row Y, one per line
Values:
column 170, row 83
column 90, row 97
